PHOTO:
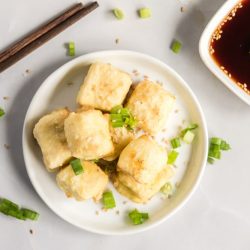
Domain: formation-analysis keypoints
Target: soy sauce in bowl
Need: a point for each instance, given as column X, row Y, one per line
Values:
column 230, row 45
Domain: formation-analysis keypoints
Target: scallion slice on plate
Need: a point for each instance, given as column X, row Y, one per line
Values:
column 172, row 156
column 77, row 166
column 108, row 200
column 137, row 217
column 176, row 143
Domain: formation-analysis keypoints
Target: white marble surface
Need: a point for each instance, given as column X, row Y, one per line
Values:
column 217, row 216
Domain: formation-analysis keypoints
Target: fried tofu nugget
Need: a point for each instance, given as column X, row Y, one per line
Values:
column 49, row 133
column 104, row 87
column 143, row 159
column 151, row 104
column 87, row 134
column 128, row 186
column 89, row 184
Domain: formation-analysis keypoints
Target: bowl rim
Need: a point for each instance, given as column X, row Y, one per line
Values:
column 207, row 58
column 204, row 132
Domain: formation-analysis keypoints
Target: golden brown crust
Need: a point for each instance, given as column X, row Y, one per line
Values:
column 104, row 87
column 88, row 135
column 49, row 133
column 151, row 104
column 89, row 184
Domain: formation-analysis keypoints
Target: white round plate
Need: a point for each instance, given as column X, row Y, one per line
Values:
column 60, row 90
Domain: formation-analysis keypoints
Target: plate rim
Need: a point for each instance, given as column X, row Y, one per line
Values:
column 204, row 131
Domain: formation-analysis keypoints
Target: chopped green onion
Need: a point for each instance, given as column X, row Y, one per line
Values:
column 137, row 217
column 188, row 137
column 10, row 208
column 215, row 147
column 176, row 46
column 17, row 214
column 116, row 117
column 77, row 166
column 167, row 189
column 176, row 143
column 29, row 214
column 5, row 203
column 210, row 160
column 118, row 124
column 118, row 13
column 172, row 156
column 125, row 112
column 2, row 113
column 215, row 141
column 214, row 153
column 71, row 49
column 190, row 127
column 224, row 145
column 144, row 13
column 121, row 117
column 116, row 110
column 108, row 200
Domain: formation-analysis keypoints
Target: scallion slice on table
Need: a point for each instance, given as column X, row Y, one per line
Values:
column 172, row 156
column 144, row 13
column 10, row 208
column 2, row 113
column 176, row 143
column 215, row 147
column 176, row 46
column 122, row 117
column 108, row 200
column 137, row 217
column 71, row 49
column 224, row 145
column 77, row 166
column 29, row 214
column 118, row 13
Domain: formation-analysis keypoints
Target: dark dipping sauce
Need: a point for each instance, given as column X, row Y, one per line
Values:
column 230, row 45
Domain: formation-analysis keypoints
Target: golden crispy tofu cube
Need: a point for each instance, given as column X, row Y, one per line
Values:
column 49, row 133
column 104, row 87
column 129, row 187
column 87, row 134
column 121, row 137
column 143, row 159
column 151, row 104
column 89, row 184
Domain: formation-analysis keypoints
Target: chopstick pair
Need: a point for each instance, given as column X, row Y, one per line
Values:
column 43, row 34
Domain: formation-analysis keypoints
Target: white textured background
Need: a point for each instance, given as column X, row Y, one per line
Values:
column 218, row 215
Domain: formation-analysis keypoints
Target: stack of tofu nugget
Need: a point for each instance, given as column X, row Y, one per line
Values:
column 87, row 134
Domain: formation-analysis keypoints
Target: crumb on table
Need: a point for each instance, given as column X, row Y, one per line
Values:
column 7, row 146
column 31, row 231
column 6, row 98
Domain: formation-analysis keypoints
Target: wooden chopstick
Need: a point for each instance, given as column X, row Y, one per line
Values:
column 39, row 32
column 18, row 51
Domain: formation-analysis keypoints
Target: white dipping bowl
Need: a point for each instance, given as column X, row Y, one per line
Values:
column 207, row 58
